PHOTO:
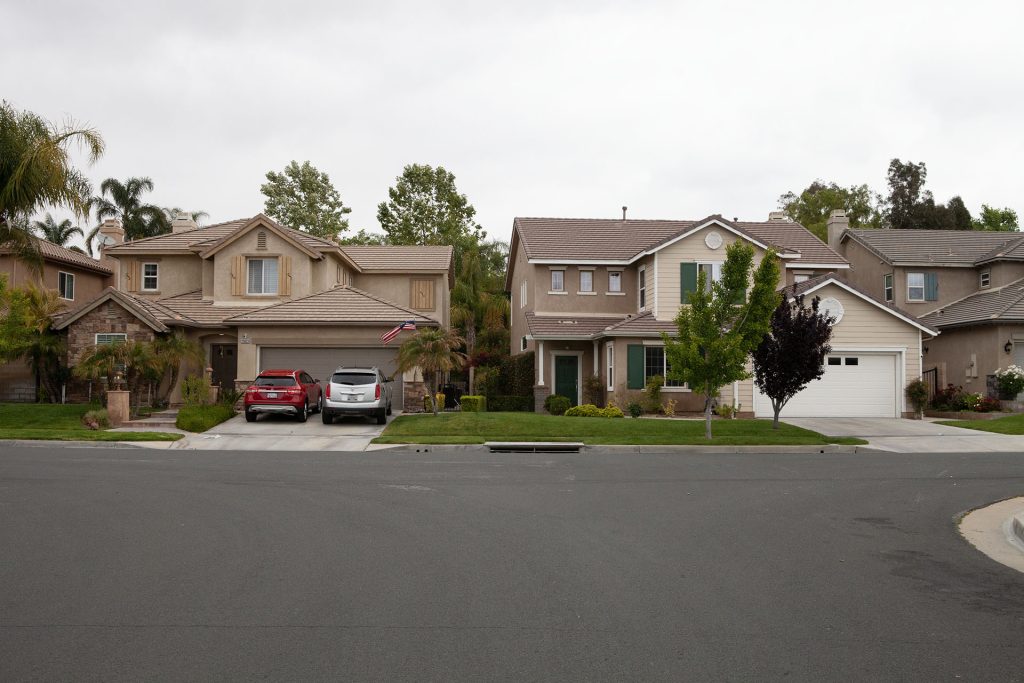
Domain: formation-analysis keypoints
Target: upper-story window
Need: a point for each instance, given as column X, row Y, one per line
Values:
column 985, row 278
column 586, row 282
column 262, row 276
column 801, row 277
column 614, row 281
column 557, row 280
column 522, row 294
column 887, row 286
column 642, row 286
column 689, row 277
column 712, row 273
column 66, row 285
column 150, row 277
column 922, row 287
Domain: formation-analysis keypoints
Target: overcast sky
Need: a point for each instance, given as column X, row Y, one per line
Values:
column 551, row 108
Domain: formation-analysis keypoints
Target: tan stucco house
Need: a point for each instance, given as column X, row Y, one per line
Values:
column 73, row 275
column 592, row 297
column 967, row 284
column 259, row 295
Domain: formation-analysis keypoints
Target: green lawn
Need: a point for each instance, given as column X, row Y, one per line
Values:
column 62, row 423
column 1011, row 424
column 475, row 428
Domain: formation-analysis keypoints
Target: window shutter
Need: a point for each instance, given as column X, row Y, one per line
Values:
column 931, row 287
column 687, row 282
column 422, row 298
column 133, row 276
column 285, row 276
column 237, row 282
column 635, row 366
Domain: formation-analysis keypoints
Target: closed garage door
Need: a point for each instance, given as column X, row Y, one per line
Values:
column 320, row 363
column 854, row 385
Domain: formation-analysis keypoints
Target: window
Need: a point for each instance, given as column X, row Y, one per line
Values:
column 557, row 280
column 712, row 273
column 985, row 278
column 586, row 281
column 262, row 276
column 833, row 360
column 689, row 277
column 643, row 287
column 150, row 279
column 915, row 286
column 852, row 361
column 655, row 363
column 111, row 338
column 66, row 285
column 887, row 286
column 522, row 344
column 801, row 278
column 614, row 281
column 610, row 354
column 522, row 294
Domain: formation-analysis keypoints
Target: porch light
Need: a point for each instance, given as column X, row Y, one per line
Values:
column 1008, row 346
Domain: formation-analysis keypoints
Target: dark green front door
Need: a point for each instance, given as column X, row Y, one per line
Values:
column 567, row 377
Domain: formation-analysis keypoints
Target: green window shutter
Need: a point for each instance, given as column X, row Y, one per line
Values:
column 635, row 366
column 931, row 287
column 687, row 281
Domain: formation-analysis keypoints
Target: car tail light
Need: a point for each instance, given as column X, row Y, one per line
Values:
column 328, row 390
column 376, row 392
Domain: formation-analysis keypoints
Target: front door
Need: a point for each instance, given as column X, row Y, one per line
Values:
column 224, row 361
column 567, row 377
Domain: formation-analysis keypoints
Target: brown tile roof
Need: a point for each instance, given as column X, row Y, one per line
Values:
column 1003, row 304
column 567, row 326
column 339, row 306
column 153, row 314
column 400, row 258
column 208, row 236
column 809, row 284
column 644, row 324
column 962, row 248
column 54, row 252
column 193, row 307
column 618, row 240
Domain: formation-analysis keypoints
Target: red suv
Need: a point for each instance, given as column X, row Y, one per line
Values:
column 286, row 392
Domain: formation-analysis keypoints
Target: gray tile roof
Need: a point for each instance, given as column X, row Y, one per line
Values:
column 963, row 248
column 1003, row 304
column 644, row 324
column 807, row 285
column 400, row 258
column 342, row 305
column 208, row 236
column 567, row 326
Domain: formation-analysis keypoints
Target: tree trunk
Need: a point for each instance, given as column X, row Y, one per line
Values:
column 775, row 420
column 433, row 393
column 707, row 417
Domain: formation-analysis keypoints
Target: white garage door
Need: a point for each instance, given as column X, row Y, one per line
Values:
column 854, row 385
column 321, row 362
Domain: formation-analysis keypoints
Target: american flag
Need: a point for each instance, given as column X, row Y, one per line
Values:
column 392, row 333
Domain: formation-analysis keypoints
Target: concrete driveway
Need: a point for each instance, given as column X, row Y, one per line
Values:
column 277, row 433
column 910, row 436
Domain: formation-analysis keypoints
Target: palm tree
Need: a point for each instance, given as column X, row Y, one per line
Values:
column 35, row 171
column 31, row 309
column 478, row 304
column 58, row 233
column 125, row 203
column 434, row 351
column 171, row 351
column 137, row 360
column 174, row 212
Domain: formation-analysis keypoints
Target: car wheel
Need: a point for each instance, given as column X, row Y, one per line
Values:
column 382, row 417
column 327, row 418
column 250, row 416
column 319, row 404
column 304, row 414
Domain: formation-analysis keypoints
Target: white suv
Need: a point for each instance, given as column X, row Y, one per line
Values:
column 357, row 391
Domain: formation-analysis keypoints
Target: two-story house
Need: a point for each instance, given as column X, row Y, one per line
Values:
column 592, row 297
column 73, row 275
column 967, row 284
column 258, row 295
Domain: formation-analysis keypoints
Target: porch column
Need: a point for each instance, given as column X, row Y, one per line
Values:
column 597, row 365
column 540, row 363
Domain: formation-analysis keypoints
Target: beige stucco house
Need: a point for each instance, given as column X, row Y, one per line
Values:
column 257, row 295
column 592, row 297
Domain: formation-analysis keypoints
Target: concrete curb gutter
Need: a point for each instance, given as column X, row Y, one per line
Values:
column 40, row 443
column 662, row 449
column 998, row 531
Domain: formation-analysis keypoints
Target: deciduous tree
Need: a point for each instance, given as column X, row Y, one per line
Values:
column 303, row 197
column 997, row 220
column 811, row 208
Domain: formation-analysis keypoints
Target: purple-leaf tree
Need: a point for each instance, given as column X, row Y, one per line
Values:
column 792, row 354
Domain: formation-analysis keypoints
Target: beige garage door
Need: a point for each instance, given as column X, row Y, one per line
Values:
column 321, row 362
column 855, row 384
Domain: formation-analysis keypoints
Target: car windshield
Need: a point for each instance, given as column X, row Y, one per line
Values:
column 275, row 381
column 354, row 378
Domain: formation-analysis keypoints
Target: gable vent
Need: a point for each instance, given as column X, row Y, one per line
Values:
column 261, row 241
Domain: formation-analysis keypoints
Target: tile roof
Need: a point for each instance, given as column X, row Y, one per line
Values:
column 152, row 313
column 567, row 326
column 642, row 324
column 939, row 247
column 341, row 305
column 401, row 258
column 208, row 236
column 809, row 284
column 1004, row 304
column 192, row 306
column 54, row 252
column 623, row 240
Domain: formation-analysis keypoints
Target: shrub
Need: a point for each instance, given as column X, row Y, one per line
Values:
column 725, row 410
column 96, row 419
column 948, row 398
column 635, row 409
column 917, row 394
column 201, row 418
column 557, row 405
column 593, row 391
column 611, row 411
column 510, row 404
column 988, row 405
column 195, row 391
column 653, row 393
column 1011, row 382
column 474, row 404
column 669, row 409
column 585, row 410
column 229, row 397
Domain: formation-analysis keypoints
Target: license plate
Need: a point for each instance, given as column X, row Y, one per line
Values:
column 354, row 397
column 271, row 394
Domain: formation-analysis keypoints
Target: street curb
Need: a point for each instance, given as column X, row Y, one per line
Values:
column 660, row 449
column 997, row 530
column 1016, row 524
column 39, row 443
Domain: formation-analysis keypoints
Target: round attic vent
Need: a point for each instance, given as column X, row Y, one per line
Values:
column 831, row 306
column 713, row 240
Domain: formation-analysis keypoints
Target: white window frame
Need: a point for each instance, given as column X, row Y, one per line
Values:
column 561, row 289
column 911, row 287
column 121, row 337
column 522, row 294
column 609, row 352
column 641, row 288
column 888, row 289
column 617, row 279
column 716, row 272
column 664, row 369
column 68, row 278
column 800, row 277
column 263, row 276
column 155, row 277
column 985, row 279
column 589, row 272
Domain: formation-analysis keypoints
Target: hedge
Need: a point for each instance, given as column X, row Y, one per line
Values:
column 201, row 418
column 474, row 404
column 510, row 404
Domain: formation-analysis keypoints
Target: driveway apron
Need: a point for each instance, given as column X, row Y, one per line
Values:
column 911, row 436
column 279, row 433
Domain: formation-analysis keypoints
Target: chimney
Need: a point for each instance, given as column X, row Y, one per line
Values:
column 837, row 224
column 776, row 216
column 183, row 223
column 624, row 212
column 111, row 233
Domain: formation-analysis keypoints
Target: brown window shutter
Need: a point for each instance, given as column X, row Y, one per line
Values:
column 284, row 274
column 133, row 276
column 422, row 298
column 237, row 275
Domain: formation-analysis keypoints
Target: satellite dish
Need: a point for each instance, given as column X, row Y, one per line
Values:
column 105, row 241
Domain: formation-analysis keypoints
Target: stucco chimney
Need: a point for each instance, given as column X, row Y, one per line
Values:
column 776, row 216
column 183, row 223
column 111, row 233
column 837, row 224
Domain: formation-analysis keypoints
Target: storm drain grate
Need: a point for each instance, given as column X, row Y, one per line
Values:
column 534, row 446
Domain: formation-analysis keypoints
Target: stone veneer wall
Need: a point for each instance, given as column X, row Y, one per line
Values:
column 107, row 317
column 412, row 394
column 17, row 383
column 540, row 394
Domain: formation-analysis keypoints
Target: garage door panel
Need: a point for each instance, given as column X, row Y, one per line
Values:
column 861, row 385
column 321, row 363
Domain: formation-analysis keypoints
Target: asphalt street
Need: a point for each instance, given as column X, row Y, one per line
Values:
column 132, row 564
